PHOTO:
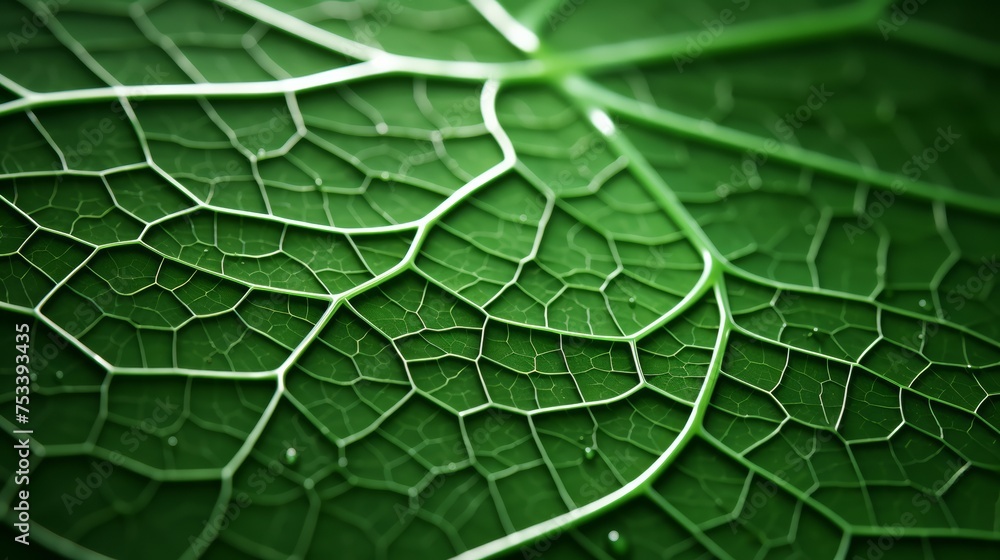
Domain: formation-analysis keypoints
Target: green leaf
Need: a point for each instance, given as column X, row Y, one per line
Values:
column 500, row 278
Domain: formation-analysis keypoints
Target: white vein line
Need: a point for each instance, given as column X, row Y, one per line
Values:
column 237, row 89
column 513, row 30
column 287, row 22
column 297, row 27
column 693, row 295
column 636, row 485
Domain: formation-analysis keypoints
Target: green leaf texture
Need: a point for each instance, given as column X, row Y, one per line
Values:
column 489, row 278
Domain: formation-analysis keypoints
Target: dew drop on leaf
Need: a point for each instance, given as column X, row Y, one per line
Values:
column 291, row 456
column 618, row 544
column 172, row 441
column 589, row 453
column 631, row 302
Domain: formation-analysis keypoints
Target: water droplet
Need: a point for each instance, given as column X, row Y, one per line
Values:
column 968, row 366
column 631, row 302
column 384, row 175
column 342, row 461
column 381, row 128
column 815, row 329
column 920, row 336
column 755, row 182
column 59, row 374
column 522, row 218
column 308, row 484
column 922, row 303
column 260, row 152
column 618, row 544
column 291, row 455
column 172, row 441
column 452, row 466
column 589, row 453
column 318, row 181
column 580, row 438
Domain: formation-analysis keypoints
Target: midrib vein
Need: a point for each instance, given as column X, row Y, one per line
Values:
column 712, row 133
